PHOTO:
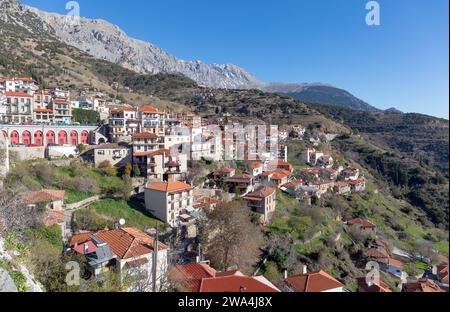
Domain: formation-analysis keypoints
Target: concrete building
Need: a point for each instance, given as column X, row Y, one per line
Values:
column 123, row 123
column 262, row 201
column 161, row 165
column 169, row 201
column 118, row 155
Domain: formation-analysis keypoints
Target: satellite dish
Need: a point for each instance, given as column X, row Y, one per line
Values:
column 122, row 222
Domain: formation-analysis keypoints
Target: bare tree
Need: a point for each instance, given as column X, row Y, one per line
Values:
column 232, row 240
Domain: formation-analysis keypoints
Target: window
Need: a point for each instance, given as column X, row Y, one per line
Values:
column 101, row 152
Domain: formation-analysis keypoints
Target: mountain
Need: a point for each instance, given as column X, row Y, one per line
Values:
column 107, row 41
column 320, row 93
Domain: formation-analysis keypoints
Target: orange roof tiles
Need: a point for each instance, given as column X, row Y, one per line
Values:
column 43, row 196
column 152, row 153
column 261, row 193
column 150, row 110
column 362, row 222
column 167, row 187
column 145, row 135
column 17, row 94
column 442, row 271
column 423, row 285
column 189, row 276
column 255, row 165
column 381, row 287
column 313, row 282
column 237, row 282
column 125, row 243
column 43, row 110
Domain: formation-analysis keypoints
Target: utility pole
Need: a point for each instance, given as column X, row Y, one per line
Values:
column 155, row 260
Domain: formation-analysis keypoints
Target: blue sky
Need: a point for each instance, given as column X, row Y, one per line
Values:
column 404, row 62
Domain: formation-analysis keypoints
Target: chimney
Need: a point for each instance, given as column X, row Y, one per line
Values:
column 285, row 274
column 86, row 248
column 305, row 269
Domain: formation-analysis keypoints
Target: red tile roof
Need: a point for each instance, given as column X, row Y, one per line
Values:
column 240, row 178
column 395, row 263
column 17, row 94
column 376, row 253
column 189, row 276
column 52, row 217
column 145, row 135
column 167, row 187
column 43, row 196
column 423, row 285
column 313, row 282
column 381, row 287
column 362, row 222
column 43, row 110
column 125, row 243
column 442, row 270
column 200, row 277
column 255, row 165
column 261, row 193
column 152, row 153
column 237, row 282
column 150, row 110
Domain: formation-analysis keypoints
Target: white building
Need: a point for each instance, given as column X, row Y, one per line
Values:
column 169, row 201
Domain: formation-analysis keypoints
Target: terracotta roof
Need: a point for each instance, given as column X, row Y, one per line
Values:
column 18, row 94
column 125, row 243
column 381, row 287
column 313, row 282
column 278, row 174
column 145, row 135
column 442, row 270
column 43, row 110
column 228, row 170
column 255, row 165
column 167, row 187
column 52, row 217
column 150, row 110
column 205, row 202
column 423, row 285
column 152, row 153
column 376, row 253
column 189, row 276
column 27, row 79
column 293, row 185
column 362, row 222
column 310, row 170
column 261, row 193
column 395, row 263
column 237, row 282
column 239, row 178
column 43, row 196
column 80, row 249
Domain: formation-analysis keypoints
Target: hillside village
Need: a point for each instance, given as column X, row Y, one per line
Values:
column 162, row 199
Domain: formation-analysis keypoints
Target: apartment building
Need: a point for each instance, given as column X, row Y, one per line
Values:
column 161, row 165
column 169, row 201
column 62, row 111
column 123, row 123
column 19, row 107
column 152, row 120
